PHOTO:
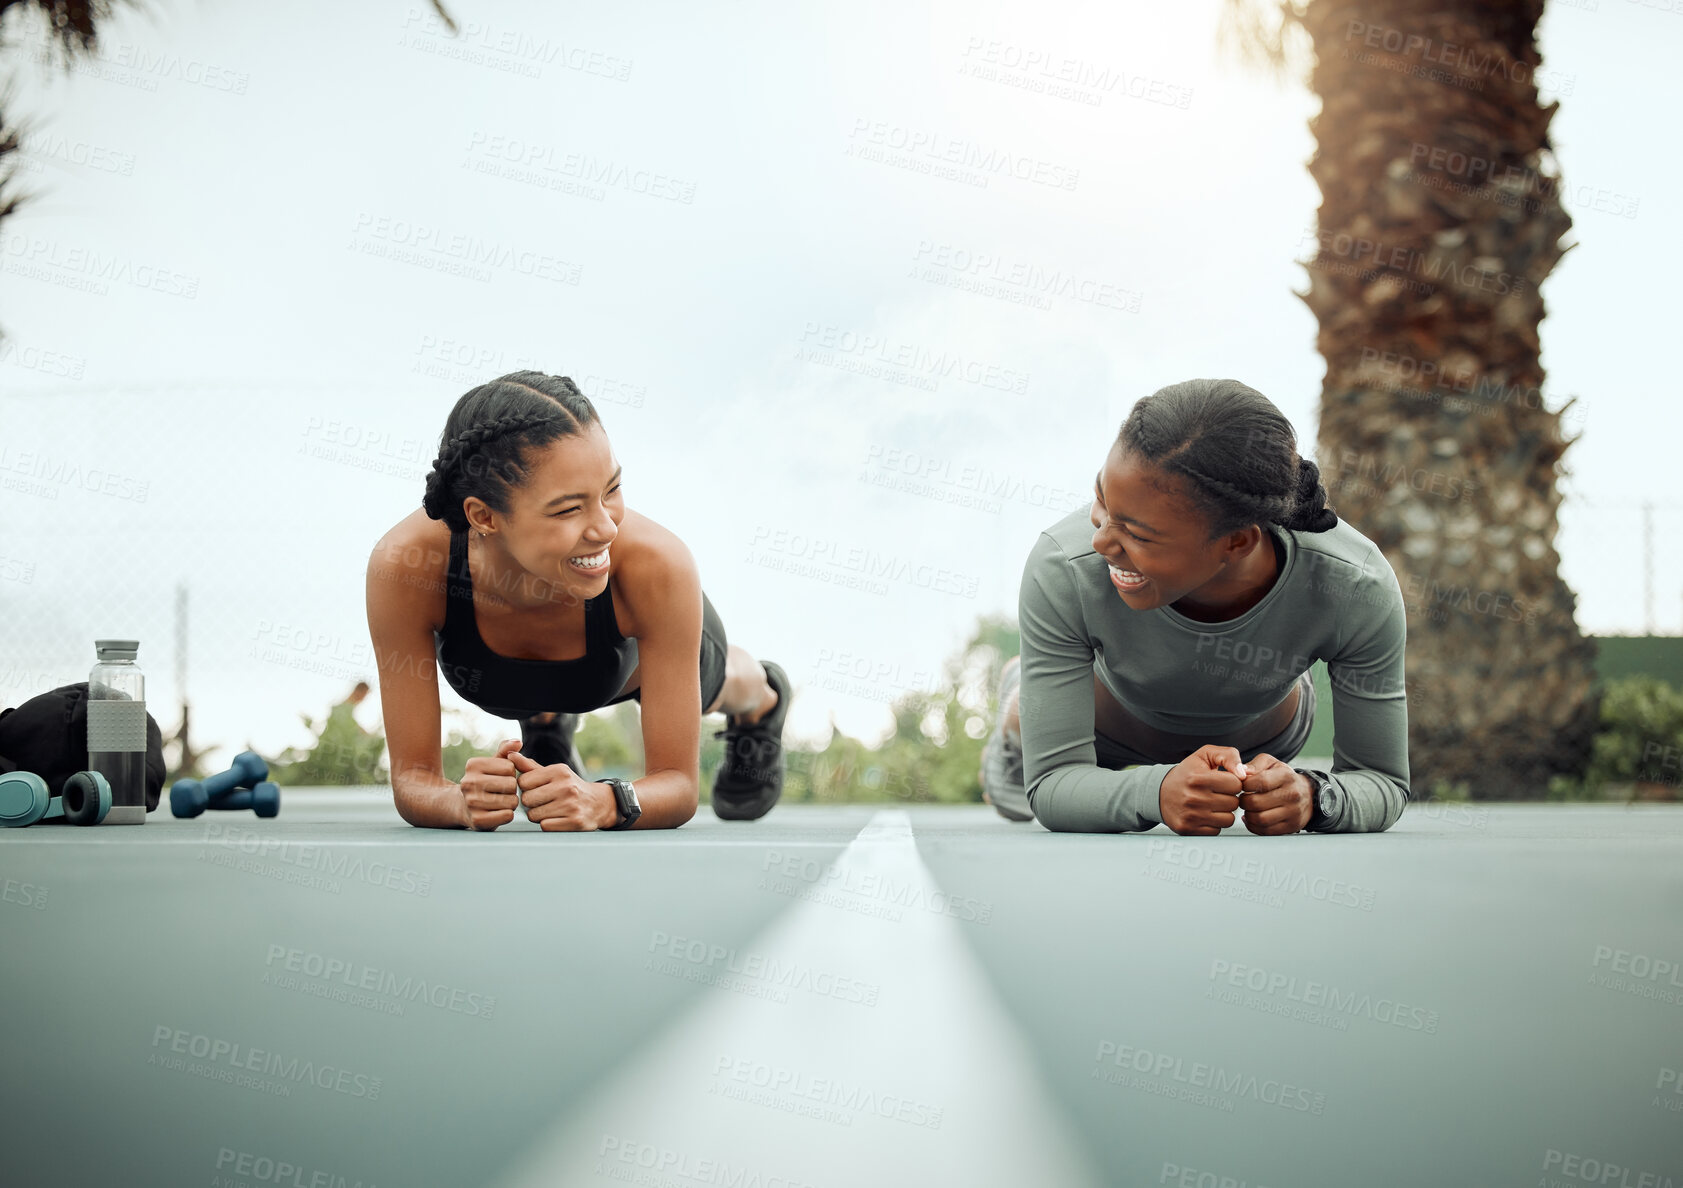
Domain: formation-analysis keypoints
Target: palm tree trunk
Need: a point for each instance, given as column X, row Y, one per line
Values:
column 1440, row 217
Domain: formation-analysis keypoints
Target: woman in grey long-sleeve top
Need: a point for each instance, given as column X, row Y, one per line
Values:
column 1172, row 626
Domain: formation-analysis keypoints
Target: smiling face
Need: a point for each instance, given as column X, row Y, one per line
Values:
column 1158, row 542
column 562, row 522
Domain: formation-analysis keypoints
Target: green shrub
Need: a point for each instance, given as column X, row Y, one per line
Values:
column 343, row 753
column 1639, row 739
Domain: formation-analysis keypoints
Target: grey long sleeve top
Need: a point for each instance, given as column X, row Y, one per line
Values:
column 1334, row 599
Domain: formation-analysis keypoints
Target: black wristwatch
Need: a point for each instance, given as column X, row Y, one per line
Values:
column 626, row 797
column 1326, row 799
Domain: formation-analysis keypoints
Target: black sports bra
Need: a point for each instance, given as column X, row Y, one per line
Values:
column 512, row 687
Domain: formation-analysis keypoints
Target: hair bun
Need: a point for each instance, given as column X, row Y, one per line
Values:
column 436, row 499
column 1310, row 512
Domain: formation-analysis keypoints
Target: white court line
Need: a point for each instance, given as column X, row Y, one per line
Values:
column 932, row 1085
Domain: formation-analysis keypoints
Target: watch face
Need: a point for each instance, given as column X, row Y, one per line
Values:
column 1323, row 795
column 1323, row 791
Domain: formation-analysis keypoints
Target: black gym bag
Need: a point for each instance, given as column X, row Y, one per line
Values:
column 48, row 735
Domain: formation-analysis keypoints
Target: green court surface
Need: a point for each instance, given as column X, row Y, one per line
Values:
column 1484, row 995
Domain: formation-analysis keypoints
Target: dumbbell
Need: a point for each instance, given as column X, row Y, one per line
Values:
column 264, row 800
column 189, row 798
column 24, row 799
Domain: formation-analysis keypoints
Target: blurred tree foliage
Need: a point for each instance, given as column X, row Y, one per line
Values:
column 1638, row 745
column 462, row 745
column 610, row 741
column 343, row 753
column 936, row 748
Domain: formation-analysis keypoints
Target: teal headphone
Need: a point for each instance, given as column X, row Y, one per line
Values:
column 24, row 799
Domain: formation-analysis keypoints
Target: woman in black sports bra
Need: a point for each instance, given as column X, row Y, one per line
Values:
column 558, row 600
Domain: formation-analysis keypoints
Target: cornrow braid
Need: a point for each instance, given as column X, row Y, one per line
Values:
column 482, row 449
column 465, row 444
column 1262, row 508
column 1203, row 428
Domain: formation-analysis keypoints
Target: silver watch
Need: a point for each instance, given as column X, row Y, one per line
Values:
column 1326, row 799
column 625, row 797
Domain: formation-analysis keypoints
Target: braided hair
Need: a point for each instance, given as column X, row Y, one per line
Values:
column 1236, row 451
column 482, row 449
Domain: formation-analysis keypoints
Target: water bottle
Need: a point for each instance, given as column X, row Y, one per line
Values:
column 117, row 728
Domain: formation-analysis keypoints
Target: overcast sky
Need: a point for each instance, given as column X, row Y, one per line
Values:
column 272, row 244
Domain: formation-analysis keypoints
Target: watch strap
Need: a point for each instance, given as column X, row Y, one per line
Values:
column 1320, row 816
column 623, row 793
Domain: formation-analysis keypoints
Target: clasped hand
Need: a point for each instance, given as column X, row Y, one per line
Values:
column 1205, row 791
column 555, row 796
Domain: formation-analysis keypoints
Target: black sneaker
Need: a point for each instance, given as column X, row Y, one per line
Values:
column 750, row 778
column 552, row 742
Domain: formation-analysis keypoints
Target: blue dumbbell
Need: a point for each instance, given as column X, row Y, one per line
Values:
column 24, row 799
column 264, row 800
column 189, row 798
